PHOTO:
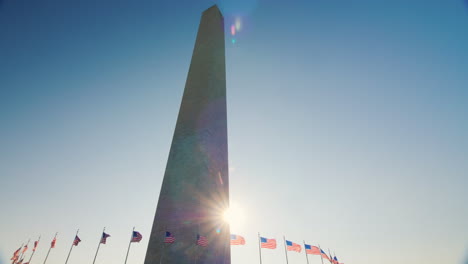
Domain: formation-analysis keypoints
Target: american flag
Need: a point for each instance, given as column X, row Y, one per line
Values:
column 291, row 246
column 324, row 255
column 15, row 255
column 237, row 240
column 24, row 248
column 104, row 237
column 76, row 241
column 52, row 244
column 136, row 237
column 35, row 245
column 169, row 238
column 313, row 250
column 20, row 262
column 202, row 241
column 267, row 243
column 335, row 260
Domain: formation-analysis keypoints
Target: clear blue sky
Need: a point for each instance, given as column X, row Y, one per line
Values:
column 348, row 124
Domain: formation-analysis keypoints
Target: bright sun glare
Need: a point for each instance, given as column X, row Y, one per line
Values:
column 233, row 215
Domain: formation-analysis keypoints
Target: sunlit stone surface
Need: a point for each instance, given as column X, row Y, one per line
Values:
column 195, row 189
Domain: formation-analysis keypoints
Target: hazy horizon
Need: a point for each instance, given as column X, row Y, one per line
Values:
column 347, row 125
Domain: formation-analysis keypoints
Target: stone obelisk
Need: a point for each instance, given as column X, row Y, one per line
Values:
column 195, row 188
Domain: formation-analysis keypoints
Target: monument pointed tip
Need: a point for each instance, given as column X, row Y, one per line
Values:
column 213, row 8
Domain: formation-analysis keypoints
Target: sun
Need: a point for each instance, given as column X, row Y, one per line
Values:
column 228, row 216
column 234, row 215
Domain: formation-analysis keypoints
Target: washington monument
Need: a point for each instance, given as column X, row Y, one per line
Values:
column 195, row 188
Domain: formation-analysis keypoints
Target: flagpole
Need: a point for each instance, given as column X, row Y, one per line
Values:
column 69, row 252
column 320, row 253
column 49, row 249
column 47, row 255
column 329, row 253
column 196, row 243
column 22, row 249
column 305, row 251
column 162, row 251
column 97, row 250
column 260, row 247
column 285, row 250
column 34, row 251
column 160, row 258
column 14, row 260
column 129, row 244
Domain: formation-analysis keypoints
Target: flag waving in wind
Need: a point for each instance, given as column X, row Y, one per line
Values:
column 324, row 255
column 169, row 238
column 312, row 250
column 35, row 245
column 16, row 254
column 202, row 241
column 136, row 237
column 291, row 246
column 76, row 241
column 104, row 237
column 52, row 244
column 335, row 260
column 237, row 240
column 24, row 248
column 267, row 243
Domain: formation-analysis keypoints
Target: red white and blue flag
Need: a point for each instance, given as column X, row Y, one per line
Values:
column 16, row 254
column 136, row 237
column 335, row 260
column 237, row 240
column 291, row 246
column 267, row 243
column 35, row 245
column 76, row 241
column 169, row 238
column 104, row 238
column 324, row 255
column 52, row 244
column 25, row 248
column 202, row 241
column 312, row 250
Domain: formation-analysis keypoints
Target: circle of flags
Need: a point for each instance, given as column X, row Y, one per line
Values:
column 169, row 238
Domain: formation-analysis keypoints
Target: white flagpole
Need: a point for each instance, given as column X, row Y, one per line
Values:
column 97, row 250
column 260, row 247
column 22, row 249
column 71, row 246
column 162, row 251
column 320, row 252
column 129, row 244
column 14, row 260
column 285, row 250
column 34, row 251
column 160, row 258
column 50, row 248
column 305, row 251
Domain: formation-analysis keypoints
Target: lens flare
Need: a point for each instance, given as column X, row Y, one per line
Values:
column 238, row 24
column 233, row 30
